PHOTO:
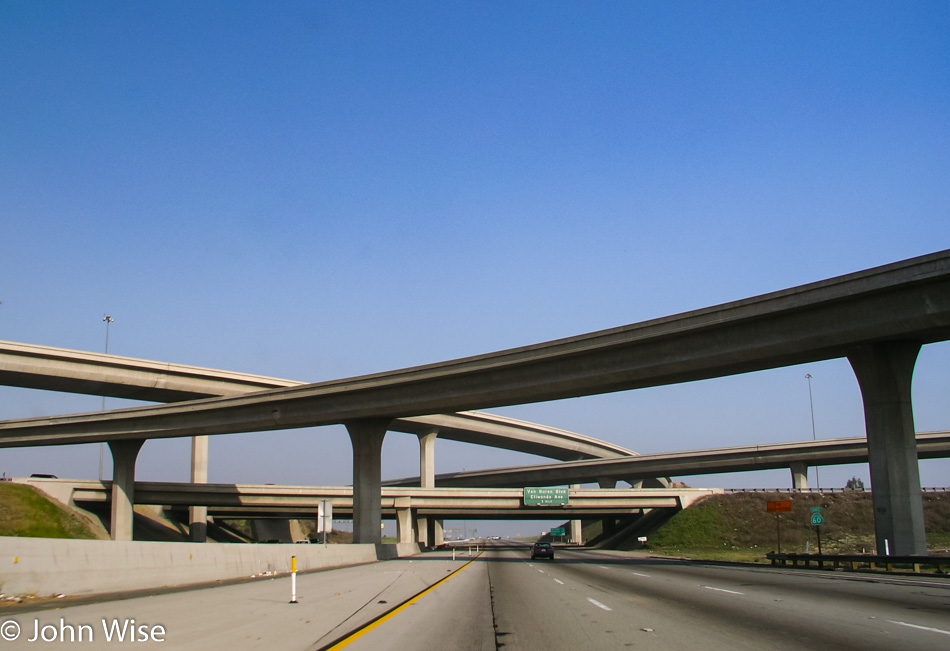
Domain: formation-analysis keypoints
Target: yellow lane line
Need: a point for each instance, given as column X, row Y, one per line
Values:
column 352, row 637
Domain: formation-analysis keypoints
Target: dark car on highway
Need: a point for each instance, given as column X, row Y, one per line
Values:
column 542, row 550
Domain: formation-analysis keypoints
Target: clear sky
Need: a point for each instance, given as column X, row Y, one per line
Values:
column 314, row 190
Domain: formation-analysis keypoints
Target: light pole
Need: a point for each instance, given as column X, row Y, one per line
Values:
column 108, row 319
column 811, row 404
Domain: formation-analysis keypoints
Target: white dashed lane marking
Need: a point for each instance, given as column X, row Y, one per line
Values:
column 598, row 604
column 709, row 587
column 922, row 628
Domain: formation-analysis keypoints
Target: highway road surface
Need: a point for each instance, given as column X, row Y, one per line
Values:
column 500, row 599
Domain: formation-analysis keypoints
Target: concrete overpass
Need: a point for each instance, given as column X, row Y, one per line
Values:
column 878, row 319
column 796, row 456
column 72, row 371
column 58, row 369
column 406, row 505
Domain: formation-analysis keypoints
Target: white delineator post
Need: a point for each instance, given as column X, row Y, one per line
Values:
column 293, row 579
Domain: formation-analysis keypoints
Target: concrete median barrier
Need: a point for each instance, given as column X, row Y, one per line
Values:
column 47, row 567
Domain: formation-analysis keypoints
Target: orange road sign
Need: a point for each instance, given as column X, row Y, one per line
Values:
column 779, row 506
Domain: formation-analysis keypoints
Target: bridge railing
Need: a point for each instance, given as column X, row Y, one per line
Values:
column 925, row 489
column 862, row 561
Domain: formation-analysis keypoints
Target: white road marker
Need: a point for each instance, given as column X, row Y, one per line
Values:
column 598, row 604
column 639, row 574
column 559, row 581
column 709, row 587
column 923, row 628
column 603, row 568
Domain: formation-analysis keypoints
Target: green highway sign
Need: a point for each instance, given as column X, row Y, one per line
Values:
column 816, row 519
column 557, row 531
column 546, row 496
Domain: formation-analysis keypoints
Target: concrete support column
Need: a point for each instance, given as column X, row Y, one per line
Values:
column 427, row 459
column 367, row 439
column 609, row 524
column 437, row 532
column 799, row 475
column 124, row 454
column 577, row 528
column 577, row 532
column 426, row 526
column 885, row 372
column 198, row 515
column 404, row 528
column 422, row 527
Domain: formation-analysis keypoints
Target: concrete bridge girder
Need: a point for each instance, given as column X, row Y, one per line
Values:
column 872, row 317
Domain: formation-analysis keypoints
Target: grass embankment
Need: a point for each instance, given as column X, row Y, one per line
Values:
column 25, row 512
column 736, row 526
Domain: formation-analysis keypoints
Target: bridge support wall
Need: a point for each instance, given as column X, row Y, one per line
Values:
column 885, row 372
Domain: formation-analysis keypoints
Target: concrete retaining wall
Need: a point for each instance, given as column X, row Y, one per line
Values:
column 45, row 567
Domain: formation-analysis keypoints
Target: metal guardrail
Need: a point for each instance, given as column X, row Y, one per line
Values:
column 926, row 489
column 861, row 561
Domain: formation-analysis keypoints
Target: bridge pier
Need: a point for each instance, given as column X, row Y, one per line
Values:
column 405, row 531
column 366, row 437
column 577, row 527
column 124, row 454
column 577, row 532
column 427, row 459
column 198, row 515
column 426, row 526
column 422, row 526
column 799, row 475
column 885, row 372
column 429, row 532
column 609, row 524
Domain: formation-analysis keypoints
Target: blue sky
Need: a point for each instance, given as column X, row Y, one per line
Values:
column 320, row 190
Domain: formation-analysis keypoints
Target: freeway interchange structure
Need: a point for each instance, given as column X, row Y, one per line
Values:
column 878, row 319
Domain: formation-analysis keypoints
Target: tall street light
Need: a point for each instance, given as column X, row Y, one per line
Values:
column 813, row 436
column 108, row 319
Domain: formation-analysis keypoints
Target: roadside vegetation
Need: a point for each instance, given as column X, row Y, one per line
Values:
column 729, row 527
column 736, row 526
column 27, row 513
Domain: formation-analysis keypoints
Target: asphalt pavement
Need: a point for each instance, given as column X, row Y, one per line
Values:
column 501, row 599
